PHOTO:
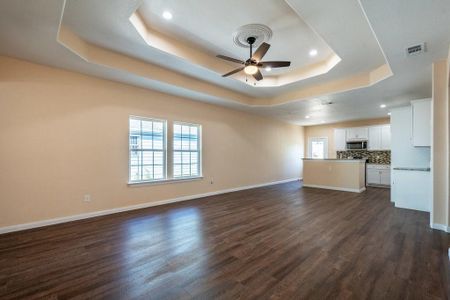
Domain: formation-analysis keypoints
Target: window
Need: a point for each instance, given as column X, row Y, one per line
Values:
column 186, row 150
column 318, row 147
column 147, row 146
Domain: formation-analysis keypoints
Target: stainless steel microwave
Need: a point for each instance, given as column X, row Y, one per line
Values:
column 360, row 145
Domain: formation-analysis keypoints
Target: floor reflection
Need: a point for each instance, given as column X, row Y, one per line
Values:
column 161, row 244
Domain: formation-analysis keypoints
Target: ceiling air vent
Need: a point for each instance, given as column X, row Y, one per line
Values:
column 416, row 49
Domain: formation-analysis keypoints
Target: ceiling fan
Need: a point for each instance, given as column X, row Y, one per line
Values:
column 252, row 65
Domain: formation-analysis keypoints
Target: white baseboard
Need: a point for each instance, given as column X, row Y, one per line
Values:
column 441, row 227
column 48, row 222
column 335, row 188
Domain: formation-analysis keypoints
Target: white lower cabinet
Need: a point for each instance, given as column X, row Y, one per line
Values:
column 378, row 175
column 411, row 189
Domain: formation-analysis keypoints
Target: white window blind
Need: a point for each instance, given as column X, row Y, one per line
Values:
column 147, row 144
column 186, row 150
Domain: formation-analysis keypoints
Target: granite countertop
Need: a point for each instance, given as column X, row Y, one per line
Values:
column 412, row 169
column 344, row 159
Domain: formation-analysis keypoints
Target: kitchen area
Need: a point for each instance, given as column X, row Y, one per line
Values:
column 383, row 153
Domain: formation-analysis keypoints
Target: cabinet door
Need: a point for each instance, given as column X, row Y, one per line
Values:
column 373, row 176
column 374, row 138
column 385, row 177
column 421, row 123
column 363, row 133
column 339, row 139
column 359, row 133
column 350, row 134
column 386, row 137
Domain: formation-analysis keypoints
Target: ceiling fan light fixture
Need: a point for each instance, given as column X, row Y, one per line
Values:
column 251, row 70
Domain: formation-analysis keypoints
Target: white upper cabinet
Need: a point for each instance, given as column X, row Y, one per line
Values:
column 379, row 137
column 339, row 139
column 357, row 134
column 421, row 123
column 374, row 142
column 386, row 137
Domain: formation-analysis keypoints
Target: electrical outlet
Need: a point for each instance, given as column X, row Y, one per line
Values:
column 87, row 198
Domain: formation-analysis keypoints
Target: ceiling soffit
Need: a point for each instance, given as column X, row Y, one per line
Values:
column 115, row 60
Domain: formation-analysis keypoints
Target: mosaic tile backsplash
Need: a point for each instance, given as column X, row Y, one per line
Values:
column 373, row 157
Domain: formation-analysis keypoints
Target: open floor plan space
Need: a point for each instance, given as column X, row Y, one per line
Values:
column 276, row 242
column 206, row 149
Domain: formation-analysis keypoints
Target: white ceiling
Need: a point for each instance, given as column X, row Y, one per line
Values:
column 28, row 30
column 210, row 25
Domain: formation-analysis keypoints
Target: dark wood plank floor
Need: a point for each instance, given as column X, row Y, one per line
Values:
column 279, row 242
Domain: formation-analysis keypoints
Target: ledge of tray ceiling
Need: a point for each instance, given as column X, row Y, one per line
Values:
column 195, row 56
column 114, row 60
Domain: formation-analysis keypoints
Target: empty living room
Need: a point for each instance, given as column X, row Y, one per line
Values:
column 256, row 149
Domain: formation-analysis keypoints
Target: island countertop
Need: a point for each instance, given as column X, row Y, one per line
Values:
column 335, row 159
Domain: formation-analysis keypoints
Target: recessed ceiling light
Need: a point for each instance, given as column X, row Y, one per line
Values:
column 383, row 105
column 313, row 52
column 389, row 113
column 307, row 117
column 268, row 69
column 167, row 15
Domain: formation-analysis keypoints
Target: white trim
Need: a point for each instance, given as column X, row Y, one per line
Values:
column 335, row 188
column 48, row 222
column 441, row 227
column 165, row 181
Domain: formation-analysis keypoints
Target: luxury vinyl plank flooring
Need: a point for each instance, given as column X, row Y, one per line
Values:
column 278, row 242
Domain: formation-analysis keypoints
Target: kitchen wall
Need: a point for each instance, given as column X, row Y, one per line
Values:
column 64, row 135
column 328, row 131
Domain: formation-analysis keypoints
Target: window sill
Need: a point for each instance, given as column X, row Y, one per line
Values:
column 165, row 181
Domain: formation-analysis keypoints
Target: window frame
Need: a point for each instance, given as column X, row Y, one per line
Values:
column 168, row 152
column 165, row 164
column 316, row 138
column 199, row 150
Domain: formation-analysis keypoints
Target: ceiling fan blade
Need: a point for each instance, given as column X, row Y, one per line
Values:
column 230, row 59
column 232, row 72
column 258, row 76
column 274, row 64
column 260, row 52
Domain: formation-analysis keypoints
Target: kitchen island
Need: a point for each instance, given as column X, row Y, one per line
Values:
column 335, row 174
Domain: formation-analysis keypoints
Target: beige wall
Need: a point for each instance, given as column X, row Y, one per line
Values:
column 64, row 135
column 335, row 174
column 440, row 149
column 327, row 130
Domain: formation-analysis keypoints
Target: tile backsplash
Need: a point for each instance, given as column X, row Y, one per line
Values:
column 374, row 157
